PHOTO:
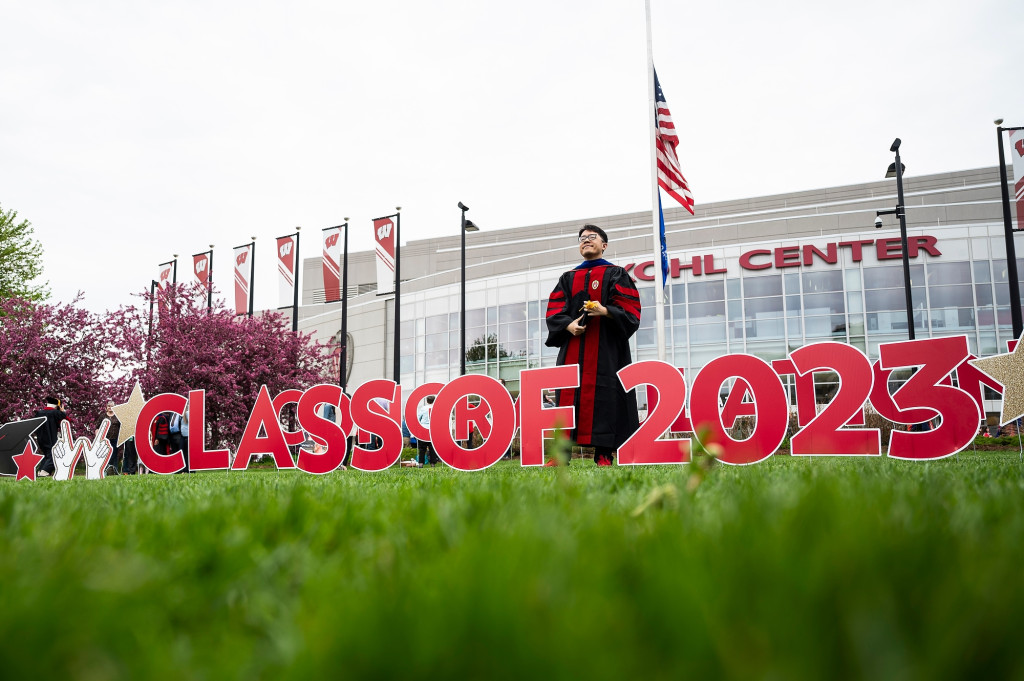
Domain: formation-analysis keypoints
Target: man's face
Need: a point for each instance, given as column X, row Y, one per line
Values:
column 591, row 245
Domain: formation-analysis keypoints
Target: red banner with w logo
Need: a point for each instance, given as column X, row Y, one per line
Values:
column 1017, row 153
column 201, row 266
column 285, row 270
column 332, row 264
column 243, row 263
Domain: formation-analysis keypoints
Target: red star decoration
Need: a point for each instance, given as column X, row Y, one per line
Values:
column 27, row 462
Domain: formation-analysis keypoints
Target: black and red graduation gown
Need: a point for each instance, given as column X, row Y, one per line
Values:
column 606, row 415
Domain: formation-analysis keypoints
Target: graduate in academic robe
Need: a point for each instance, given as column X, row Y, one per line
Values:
column 592, row 312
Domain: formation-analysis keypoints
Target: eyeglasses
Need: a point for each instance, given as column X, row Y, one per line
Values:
column 589, row 237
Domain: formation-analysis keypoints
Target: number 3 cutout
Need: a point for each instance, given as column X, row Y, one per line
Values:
column 956, row 409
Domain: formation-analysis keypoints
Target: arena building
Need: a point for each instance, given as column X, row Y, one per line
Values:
column 762, row 276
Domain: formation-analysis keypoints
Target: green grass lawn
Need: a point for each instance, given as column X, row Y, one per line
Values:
column 793, row 568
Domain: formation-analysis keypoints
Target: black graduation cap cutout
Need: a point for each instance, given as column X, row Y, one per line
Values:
column 13, row 437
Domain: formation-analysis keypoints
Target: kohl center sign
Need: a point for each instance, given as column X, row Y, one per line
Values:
column 793, row 256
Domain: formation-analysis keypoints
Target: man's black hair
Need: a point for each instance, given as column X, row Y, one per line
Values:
column 596, row 229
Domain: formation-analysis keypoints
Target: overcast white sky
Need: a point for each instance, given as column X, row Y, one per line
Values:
column 133, row 130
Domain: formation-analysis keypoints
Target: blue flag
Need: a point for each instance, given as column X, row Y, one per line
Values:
column 664, row 245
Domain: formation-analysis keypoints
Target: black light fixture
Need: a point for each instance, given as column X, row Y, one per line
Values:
column 891, row 172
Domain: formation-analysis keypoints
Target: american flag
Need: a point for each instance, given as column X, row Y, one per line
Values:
column 670, row 177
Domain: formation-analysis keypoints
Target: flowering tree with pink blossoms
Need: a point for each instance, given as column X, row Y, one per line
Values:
column 60, row 350
column 188, row 347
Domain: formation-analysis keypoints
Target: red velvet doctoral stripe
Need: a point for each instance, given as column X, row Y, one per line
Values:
column 627, row 290
column 588, row 372
column 572, row 353
column 555, row 303
column 628, row 299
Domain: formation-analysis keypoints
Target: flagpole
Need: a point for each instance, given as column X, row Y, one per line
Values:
column 652, row 125
column 209, row 283
column 252, row 275
column 344, row 313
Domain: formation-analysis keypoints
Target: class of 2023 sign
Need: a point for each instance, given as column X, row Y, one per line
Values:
column 757, row 390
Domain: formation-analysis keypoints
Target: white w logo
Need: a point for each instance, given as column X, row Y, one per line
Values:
column 384, row 231
column 286, row 248
column 200, row 266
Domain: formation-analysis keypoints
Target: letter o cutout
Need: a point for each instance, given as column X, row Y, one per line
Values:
column 503, row 425
column 769, row 400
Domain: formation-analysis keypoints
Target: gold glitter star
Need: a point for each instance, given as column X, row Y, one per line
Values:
column 1008, row 369
column 128, row 414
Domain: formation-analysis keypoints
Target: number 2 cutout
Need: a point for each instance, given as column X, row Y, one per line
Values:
column 824, row 434
column 644, row 447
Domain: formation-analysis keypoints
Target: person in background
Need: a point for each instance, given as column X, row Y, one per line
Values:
column 48, row 433
column 174, row 443
column 424, row 450
column 117, row 457
column 131, row 458
column 184, row 435
column 160, row 434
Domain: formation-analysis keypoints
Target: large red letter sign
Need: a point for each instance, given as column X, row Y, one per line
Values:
column 387, row 427
column 263, row 417
column 286, row 397
column 199, row 457
column 956, row 409
column 824, row 434
column 535, row 420
column 643, row 446
column 412, row 406
column 502, row 430
column 769, row 396
column 322, row 430
column 158, row 463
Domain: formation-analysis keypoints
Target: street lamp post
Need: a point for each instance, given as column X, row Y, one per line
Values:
column 296, row 263
column 467, row 226
column 153, row 286
column 896, row 170
column 1011, row 251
